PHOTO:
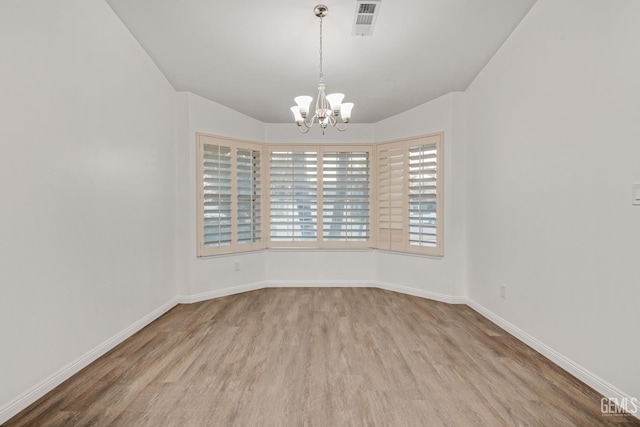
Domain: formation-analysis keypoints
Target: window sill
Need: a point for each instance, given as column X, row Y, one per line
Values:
column 321, row 250
column 311, row 249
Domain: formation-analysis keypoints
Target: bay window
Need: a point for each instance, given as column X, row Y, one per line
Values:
column 386, row 196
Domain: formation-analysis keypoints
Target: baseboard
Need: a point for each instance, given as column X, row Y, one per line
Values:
column 449, row 299
column 27, row 398
column 320, row 284
column 218, row 293
column 584, row 375
column 233, row 290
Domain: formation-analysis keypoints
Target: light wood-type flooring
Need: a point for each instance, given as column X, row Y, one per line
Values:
column 320, row 357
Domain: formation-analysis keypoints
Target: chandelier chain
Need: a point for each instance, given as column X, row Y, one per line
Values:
column 321, row 74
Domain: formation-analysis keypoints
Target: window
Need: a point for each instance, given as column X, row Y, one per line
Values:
column 329, row 212
column 229, row 196
column 410, row 195
column 386, row 196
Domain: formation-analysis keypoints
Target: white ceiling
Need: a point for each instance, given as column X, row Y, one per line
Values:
column 256, row 56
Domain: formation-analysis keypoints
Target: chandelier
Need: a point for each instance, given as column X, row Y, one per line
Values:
column 328, row 107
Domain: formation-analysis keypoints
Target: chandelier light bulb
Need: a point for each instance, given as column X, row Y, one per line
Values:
column 297, row 116
column 335, row 99
column 345, row 110
column 303, row 104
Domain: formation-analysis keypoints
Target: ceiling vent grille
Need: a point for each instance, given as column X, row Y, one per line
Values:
column 365, row 17
column 367, row 8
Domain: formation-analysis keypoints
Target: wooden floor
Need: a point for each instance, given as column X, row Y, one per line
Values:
column 320, row 357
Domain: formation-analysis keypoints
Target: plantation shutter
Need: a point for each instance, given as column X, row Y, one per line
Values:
column 216, row 188
column 230, row 195
column 249, row 197
column 293, row 177
column 391, row 188
column 423, row 203
column 410, row 195
column 345, row 197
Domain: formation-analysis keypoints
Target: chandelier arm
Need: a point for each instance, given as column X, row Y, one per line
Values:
column 308, row 128
column 337, row 126
column 310, row 122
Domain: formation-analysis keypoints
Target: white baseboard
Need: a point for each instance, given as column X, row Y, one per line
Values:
column 320, row 284
column 233, row 290
column 450, row 299
column 218, row 293
column 36, row 392
column 584, row 375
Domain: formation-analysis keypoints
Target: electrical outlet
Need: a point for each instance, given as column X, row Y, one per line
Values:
column 503, row 290
column 236, row 266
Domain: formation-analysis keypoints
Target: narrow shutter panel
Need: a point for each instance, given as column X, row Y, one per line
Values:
column 423, row 203
column 391, row 168
column 294, row 196
column 345, row 196
column 216, row 183
column 249, row 196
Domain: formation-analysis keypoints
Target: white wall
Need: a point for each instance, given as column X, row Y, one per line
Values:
column 552, row 140
column 445, row 275
column 87, row 179
column 320, row 267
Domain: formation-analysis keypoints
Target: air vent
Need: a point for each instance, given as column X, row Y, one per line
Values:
column 365, row 17
column 367, row 8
